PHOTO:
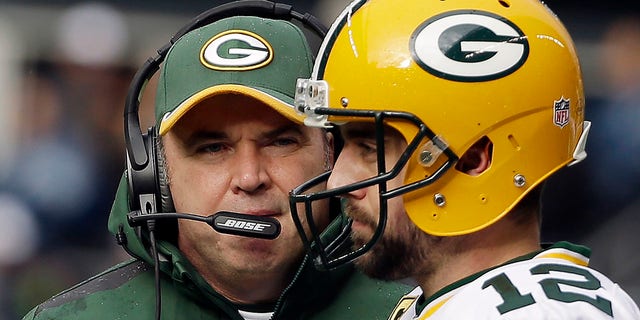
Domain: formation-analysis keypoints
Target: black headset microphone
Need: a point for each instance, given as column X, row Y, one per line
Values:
column 149, row 194
column 240, row 224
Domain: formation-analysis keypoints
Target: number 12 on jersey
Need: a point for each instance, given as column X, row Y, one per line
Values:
column 513, row 299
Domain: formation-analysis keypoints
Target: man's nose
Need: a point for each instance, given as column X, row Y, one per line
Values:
column 249, row 171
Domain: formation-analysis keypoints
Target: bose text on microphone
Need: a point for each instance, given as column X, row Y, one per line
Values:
column 223, row 221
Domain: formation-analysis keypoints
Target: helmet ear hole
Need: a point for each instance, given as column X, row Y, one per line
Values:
column 504, row 3
column 477, row 158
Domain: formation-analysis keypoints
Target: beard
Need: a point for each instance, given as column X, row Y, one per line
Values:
column 398, row 254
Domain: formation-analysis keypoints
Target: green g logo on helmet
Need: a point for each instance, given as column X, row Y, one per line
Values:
column 236, row 50
column 469, row 46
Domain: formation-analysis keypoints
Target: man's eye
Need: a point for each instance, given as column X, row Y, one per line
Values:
column 283, row 142
column 212, row 148
column 367, row 148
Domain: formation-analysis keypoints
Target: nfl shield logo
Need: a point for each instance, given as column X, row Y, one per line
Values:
column 561, row 114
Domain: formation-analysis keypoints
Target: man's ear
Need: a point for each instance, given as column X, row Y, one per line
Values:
column 477, row 158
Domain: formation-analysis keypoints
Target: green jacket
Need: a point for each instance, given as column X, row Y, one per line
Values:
column 127, row 290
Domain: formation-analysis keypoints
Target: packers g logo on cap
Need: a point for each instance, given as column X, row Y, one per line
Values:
column 236, row 50
column 469, row 46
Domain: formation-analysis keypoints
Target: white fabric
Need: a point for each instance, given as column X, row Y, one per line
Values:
column 542, row 283
column 248, row 315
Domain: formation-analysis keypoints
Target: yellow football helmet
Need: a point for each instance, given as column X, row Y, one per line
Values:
column 446, row 74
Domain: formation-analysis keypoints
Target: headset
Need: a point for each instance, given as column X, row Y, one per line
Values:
column 148, row 190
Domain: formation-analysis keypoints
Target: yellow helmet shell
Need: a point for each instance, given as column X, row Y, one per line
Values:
column 468, row 69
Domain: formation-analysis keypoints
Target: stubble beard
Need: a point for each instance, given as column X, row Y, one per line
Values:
column 398, row 254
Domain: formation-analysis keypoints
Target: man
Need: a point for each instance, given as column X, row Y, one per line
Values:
column 228, row 140
column 453, row 114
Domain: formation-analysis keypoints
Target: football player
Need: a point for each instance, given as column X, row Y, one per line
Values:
column 453, row 114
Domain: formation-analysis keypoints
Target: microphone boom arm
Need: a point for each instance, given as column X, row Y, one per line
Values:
column 223, row 221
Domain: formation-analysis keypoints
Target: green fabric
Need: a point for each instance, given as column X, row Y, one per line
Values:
column 127, row 291
column 187, row 70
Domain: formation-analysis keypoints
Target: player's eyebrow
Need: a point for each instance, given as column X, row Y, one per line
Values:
column 288, row 128
column 201, row 135
column 358, row 131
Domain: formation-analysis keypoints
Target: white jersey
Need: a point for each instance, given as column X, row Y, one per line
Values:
column 552, row 284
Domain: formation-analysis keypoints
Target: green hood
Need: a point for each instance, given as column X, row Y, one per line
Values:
column 119, row 226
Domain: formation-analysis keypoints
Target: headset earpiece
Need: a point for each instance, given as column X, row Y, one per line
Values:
column 143, row 183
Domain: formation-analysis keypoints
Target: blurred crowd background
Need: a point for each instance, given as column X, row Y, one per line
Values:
column 65, row 67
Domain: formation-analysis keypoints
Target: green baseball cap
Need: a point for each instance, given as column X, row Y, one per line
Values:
column 253, row 56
